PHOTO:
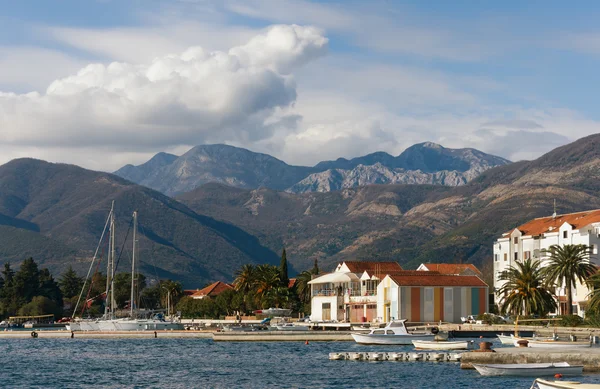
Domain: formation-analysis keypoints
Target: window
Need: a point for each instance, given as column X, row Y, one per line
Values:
column 495, row 257
column 505, row 257
column 565, row 234
column 527, row 255
column 516, row 240
column 593, row 249
column 516, row 256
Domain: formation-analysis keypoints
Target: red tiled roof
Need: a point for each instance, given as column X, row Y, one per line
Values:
column 189, row 292
column 451, row 268
column 213, row 289
column 428, row 279
column 291, row 283
column 541, row 225
column 370, row 267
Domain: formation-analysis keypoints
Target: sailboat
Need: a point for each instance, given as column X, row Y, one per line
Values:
column 80, row 324
column 132, row 323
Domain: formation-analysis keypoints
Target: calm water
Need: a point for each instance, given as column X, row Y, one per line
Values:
column 202, row 363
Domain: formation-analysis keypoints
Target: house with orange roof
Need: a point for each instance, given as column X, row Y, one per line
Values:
column 349, row 293
column 211, row 291
column 431, row 296
column 530, row 239
column 459, row 269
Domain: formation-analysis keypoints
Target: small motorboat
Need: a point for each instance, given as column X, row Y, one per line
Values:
column 506, row 339
column 440, row 345
column 291, row 327
column 552, row 343
column 543, row 384
column 394, row 333
column 529, row 369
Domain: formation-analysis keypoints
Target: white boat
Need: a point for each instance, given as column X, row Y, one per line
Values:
column 440, row 345
column 529, row 369
column 291, row 327
column 543, row 384
column 274, row 312
column 394, row 333
column 506, row 339
column 551, row 343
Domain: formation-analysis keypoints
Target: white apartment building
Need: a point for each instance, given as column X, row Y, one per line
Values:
column 530, row 239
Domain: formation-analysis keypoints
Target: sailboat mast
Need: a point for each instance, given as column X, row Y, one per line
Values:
column 132, row 299
column 108, row 262
column 112, row 271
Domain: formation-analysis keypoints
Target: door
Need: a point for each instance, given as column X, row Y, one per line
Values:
column 326, row 309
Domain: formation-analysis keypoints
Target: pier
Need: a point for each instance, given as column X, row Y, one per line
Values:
column 589, row 357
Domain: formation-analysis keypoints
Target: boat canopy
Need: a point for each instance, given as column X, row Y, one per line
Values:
column 334, row 277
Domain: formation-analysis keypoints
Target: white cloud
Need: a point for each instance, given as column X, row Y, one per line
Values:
column 186, row 99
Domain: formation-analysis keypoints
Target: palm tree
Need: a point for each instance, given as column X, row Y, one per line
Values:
column 267, row 278
column 594, row 296
column 568, row 264
column 245, row 278
column 524, row 291
column 302, row 286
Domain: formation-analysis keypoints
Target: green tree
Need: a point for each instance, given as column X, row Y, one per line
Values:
column 315, row 269
column 283, row 269
column 27, row 280
column 150, row 297
column 524, row 292
column 245, row 278
column 70, row 283
column 566, row 265
column 267, row 278
column 303, row 287
column 49, row 287
column 123, row 287
column 172, row 288
column 41, row 305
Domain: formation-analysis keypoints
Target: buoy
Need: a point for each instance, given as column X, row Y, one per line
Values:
column 306, row 342
column 557, row 375
column 155, row 334
column 34, row 334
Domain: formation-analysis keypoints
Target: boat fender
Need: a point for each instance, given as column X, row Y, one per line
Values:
column 34, row 334
column 435, row 330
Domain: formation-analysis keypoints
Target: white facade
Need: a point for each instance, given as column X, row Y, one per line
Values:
column 516, row 246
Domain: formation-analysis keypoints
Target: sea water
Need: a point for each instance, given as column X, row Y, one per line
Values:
column 202, row 363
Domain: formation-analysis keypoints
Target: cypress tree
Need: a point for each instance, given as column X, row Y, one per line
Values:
column 283, row 269
column 315, row 269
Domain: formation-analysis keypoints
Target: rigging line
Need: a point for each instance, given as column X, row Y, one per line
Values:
column 92, row 263
column 92, row 279
column 123, row 246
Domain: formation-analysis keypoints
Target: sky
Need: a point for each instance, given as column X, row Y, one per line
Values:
column 103, row 83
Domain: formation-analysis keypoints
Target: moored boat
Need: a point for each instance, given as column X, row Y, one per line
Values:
column 543, row 384
column 394, row 333
column 528, row 369
column 551, row 343
column 290, row 327
column 440, row 345
column 506, row 339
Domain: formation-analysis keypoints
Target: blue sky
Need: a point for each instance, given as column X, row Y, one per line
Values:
column 511, row 78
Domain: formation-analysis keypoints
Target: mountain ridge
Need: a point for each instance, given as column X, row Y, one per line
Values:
column 423, row 163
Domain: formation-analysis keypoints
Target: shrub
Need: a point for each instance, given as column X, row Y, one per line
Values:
column 570, row 320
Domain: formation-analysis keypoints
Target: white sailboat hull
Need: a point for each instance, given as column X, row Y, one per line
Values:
column 529, row 369
column 392, row 339
column 146, row 325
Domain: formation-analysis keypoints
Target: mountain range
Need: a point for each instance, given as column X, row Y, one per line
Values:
column 424, row 163
column 55, row 213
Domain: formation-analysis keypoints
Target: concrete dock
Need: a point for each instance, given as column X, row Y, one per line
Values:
column 588, row 357
column 104, row 335
column 279, row 336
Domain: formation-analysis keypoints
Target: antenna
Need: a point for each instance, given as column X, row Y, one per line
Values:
column 554, row 214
